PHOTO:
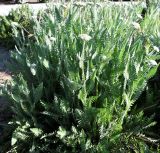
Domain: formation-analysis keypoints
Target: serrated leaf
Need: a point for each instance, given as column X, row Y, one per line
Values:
column 15, row 24
column 13, row 141
column 46, row 63
column 152, row 72
column 33, row 69
column 37, row 132
column 61, row 132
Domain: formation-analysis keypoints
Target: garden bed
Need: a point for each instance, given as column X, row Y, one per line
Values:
column 83, row 79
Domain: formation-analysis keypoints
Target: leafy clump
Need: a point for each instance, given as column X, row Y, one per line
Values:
column 22, row 17
column 74, row 86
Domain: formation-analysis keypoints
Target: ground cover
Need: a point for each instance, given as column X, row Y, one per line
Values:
column 77, row 79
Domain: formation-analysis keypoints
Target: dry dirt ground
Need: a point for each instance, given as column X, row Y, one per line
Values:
column 5, row 114
column 4, row 57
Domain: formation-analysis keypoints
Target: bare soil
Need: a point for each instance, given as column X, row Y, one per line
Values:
column 4, row 77
column 5, row 113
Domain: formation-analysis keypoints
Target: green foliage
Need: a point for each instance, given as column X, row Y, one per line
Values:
column 76, row 80
column 22, row 17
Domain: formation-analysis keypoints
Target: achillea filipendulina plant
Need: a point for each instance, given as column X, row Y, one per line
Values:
column 75, row 84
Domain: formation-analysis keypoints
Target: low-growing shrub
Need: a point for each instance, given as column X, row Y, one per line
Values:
column 21, row 16
column 74, row 86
